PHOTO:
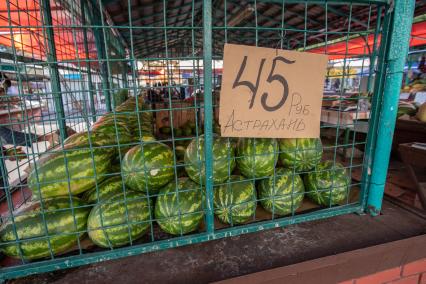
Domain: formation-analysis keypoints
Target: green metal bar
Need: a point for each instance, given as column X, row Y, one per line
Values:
column 208, row 111
column 374, row 53
column 83, row 7
column 375, row 111
column 99, row 42
column 53, row 67
column 402, row 16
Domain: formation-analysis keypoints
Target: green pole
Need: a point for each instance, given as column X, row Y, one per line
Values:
column 398, row 39
column 208, row 111
column 373, row 53
column 53, row 68
column 103, row 64
column 86, row 50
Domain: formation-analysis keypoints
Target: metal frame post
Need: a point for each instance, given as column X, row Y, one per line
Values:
column 103, row 64
column 83, row 4
column 53, row 67
column 395, row 56
column 208, row 111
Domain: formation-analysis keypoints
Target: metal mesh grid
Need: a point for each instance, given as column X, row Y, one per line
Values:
column 149, row 173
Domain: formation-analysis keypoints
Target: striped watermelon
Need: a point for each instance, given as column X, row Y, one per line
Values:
column 113, row 127
column 235, row 202
column 283, row 196
column 119, row 220
column 302, row 154
column 74, row 171
column 329, row 185
column 64, row 227
column 179, row 209
column 256, row 157
column 223, row 159
column 148, row 168
column 107, row 188
column 145, row 122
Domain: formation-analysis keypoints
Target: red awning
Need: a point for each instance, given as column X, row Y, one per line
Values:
column 149, row 72
column 358, row 46
column 26, row 32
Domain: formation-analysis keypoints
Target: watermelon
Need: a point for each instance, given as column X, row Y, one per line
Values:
column 96, row 139
column 64, row 217
column 120, row 97
column 180, row 152
column 179, row 209
column 107, row 188
column 74, row 170
column 119, row 220
column 128, row 111
column 223, row 159
column 187, row 131
column 113, row 126
column 282, row 194
column 328, row 185
column 301, row 154
column 235, row 201
column 256, row 157
column 178, row 132
column 148, row 167
column 165, row 130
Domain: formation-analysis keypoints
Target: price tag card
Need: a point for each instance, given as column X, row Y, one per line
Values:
column 271, row 92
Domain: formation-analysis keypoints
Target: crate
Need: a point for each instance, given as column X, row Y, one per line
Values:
column 117, row 188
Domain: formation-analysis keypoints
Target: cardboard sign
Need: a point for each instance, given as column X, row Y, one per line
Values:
column 271, row 93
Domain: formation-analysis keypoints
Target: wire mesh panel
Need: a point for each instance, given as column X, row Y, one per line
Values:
column 131, row 90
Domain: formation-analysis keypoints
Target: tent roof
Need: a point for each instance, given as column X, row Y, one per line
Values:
column 179, row 24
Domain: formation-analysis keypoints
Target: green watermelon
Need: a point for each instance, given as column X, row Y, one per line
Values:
column 96, row 139
column 256, row 157
column 165, row 130
column 114, row 127
column 64, row 227
column 76, row 166
column 328, row 185
column 283, row 196
column 107, row 188
column 235, row 201
column 179, row 210
column 301, row 154
column 180, row 152
column 187, row 131
column 120, row 97
column 223, row 159
column 150, row 169
column 119, row 220
column 129, row 111
column 178, row 132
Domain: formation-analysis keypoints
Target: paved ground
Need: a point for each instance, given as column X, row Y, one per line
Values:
column 223, row 259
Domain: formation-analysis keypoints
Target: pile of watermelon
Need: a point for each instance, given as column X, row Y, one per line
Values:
column 116, row 181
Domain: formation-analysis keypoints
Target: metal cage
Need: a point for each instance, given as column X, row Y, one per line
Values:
column 93, row 67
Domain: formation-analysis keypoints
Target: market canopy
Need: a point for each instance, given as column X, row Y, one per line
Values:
column 21, row 26
column 360, row 46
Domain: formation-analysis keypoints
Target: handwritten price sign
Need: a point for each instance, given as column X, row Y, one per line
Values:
column 271, row 93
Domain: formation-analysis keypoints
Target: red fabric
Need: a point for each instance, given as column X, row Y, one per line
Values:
column 28, row 34
column 357, row 46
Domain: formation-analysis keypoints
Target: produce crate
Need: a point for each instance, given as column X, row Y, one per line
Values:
column 119, row 188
